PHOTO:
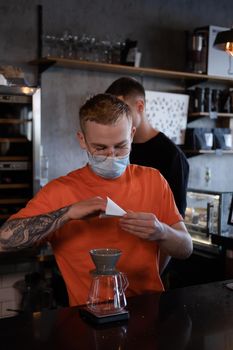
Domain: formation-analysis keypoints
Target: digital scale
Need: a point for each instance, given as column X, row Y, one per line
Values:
column 101, row 318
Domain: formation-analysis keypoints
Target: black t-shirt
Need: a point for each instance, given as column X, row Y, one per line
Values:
column 163, row 154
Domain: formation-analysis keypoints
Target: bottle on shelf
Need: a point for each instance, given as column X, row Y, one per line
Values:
column 199, row 99
column 215, row 100
column 225, row 101
column 207, row 100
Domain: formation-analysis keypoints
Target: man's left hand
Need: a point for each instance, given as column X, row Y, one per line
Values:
column 143, row 225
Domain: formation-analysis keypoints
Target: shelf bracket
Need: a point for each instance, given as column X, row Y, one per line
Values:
column 192, row 82
column 43, row 66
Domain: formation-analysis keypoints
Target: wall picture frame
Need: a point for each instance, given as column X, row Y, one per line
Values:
column 168, row 112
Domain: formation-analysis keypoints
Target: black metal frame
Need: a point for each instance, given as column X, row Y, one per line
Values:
column 230, row 217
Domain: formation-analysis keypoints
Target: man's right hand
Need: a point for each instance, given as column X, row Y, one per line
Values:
column 23, row 233
column 87, row 208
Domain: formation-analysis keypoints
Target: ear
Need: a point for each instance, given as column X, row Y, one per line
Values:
column 140, row 105
column 133, row 130
column 121, row 97
column 81, row 140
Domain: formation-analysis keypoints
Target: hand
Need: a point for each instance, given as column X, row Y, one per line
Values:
column 88, row 208
column 143, row 225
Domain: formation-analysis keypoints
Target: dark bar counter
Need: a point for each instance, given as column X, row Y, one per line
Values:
column 225, row 239
column 195, row 318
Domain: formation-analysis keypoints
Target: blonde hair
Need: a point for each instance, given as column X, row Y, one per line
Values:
column 103, row 109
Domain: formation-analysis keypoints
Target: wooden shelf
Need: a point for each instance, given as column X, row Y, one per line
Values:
column 211, row 151
column 14, row 121
column 12, row 186
column 45, row 63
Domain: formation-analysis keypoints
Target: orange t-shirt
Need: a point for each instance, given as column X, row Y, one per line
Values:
column 139, row 189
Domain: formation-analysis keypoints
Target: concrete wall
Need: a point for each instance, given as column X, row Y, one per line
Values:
column 158, row 25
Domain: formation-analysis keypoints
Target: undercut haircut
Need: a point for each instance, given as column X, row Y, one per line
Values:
column 126, row 87
column 103, row 109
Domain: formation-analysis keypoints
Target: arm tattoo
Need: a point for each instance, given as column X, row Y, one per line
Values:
column 23, row 233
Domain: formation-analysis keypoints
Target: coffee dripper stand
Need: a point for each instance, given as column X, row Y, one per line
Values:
column 106, row 300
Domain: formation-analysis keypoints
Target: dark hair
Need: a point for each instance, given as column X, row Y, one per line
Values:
column 126, row 87
column 103, row 109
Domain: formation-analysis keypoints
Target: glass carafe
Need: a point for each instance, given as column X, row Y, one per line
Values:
column 107, row 291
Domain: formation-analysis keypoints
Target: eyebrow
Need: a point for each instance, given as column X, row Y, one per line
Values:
column 102, row 145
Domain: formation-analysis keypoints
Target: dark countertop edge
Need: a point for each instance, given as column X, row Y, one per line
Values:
column 24, row 255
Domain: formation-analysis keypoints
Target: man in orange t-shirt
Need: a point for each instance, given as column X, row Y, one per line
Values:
column 66, row 211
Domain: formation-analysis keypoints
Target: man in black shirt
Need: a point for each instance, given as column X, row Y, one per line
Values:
column 151, row 147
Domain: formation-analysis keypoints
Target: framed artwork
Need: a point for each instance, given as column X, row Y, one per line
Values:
column 168, row 112
column 230, row 217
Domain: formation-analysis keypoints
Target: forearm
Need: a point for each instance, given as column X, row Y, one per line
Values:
column 174, row 240
column 163, row 261
column 24, row 233
column 177, row 243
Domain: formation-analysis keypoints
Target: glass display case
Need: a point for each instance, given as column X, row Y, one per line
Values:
column 207, row 212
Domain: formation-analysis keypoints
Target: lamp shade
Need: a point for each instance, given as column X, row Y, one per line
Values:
column 224, row 41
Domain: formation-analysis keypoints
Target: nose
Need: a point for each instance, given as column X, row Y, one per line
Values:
column 111, row 152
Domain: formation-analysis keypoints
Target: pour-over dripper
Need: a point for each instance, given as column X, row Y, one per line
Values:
column 105, row 259
column 106, row 295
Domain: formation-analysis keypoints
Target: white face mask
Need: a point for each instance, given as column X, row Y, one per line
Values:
column 108, row 167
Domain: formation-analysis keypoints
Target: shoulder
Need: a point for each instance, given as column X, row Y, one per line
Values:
column 148, row 179
column 170, row 146
column 62, row 183
column 162, row 144
column 71, row 176
column 144, row 171
column 164, row 140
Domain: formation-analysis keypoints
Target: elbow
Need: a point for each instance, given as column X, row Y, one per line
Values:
column 9, row 242
column 188, row 249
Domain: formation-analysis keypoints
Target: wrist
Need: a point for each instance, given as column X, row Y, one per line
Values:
column 161, row 231
column 68, row 214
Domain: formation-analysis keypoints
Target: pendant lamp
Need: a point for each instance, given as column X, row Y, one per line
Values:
column 224, row 41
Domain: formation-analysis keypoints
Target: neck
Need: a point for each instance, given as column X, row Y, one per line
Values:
column 144, row 132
